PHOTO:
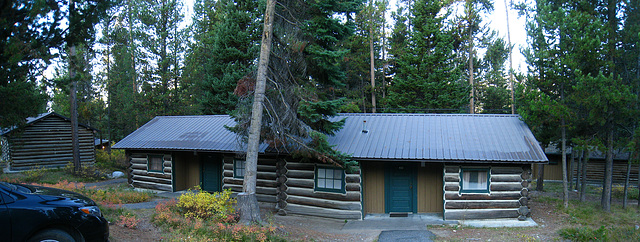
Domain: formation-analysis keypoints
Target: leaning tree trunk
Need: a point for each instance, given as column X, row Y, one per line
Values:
column 247, row 201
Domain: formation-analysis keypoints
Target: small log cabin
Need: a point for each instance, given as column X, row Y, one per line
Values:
column 45, row 142
column 595, row 166
column 461, row 166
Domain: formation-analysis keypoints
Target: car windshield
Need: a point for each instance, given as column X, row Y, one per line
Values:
column 16, row 187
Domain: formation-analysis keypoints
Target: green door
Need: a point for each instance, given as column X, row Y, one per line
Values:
column 401, row 191
column 211, row 180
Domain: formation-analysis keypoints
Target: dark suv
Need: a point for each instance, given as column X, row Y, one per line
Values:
column 34, row 213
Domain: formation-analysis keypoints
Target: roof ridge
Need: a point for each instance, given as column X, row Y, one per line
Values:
column 429, row 114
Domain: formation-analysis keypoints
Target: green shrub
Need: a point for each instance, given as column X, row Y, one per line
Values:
column 34, row 175
column 117, row 160
column 200, row 204
column 182, row 228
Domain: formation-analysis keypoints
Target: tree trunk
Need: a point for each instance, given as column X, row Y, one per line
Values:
column 608, row 172
column 565, row 188
column 540, row 181
column 248, row 208
column 248, row 204
column 572, row 165
column 579, row 171
column 585, row 162
column 626, row 182
column 513, row 102
column 372, row 60
column 75, row 145
column 472, row 107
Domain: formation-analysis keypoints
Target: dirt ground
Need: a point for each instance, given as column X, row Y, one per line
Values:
column 301, row 228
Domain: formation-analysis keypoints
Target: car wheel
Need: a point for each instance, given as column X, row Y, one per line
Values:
column 52, row 235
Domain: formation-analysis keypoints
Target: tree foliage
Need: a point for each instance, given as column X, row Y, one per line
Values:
column 427, row 75
column 27, row 42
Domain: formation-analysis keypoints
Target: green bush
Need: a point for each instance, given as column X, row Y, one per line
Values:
column 200, row 204
column 169, row 216
column 117, row 160
column 34, row 175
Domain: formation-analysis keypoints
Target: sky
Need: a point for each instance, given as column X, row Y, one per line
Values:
column 498, row 22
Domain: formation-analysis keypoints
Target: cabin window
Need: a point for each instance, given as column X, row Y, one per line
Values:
column 155, row 163
column 330, row 179
column 238, row 168
column 475, row 180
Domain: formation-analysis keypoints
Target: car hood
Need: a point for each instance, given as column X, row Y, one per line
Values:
column 50, row 194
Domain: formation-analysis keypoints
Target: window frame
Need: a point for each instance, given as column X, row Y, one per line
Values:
column 485, row 191
column 324, row 189
column 235, row 168
column 150, row 158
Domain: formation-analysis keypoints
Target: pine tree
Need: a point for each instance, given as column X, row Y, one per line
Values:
column 162, row 42
column 492, row 93
column 305, row 71
column 426, row 75
column 366, row 42
column 226, row 37
column 26, row 44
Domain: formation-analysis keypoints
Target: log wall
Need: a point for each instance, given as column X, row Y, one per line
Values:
column 507, row 197
column 595, row 171
column 266, row 184
column 297, row 195
column 47, row 144
column 139, row 177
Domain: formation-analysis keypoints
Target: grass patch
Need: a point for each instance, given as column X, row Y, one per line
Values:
column 591, row 214
column 55, row 175
column 620, row 233
column 590, row 222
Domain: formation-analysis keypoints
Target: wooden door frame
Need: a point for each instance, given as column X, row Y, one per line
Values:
column 414, row 186
column 220, row 168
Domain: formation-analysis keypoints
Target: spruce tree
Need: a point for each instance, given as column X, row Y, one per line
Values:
column 427, row 78
column 226, row 35
column 26, row 44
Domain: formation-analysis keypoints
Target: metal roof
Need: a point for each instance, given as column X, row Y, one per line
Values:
column 415, row 137
column 444, row 137
column 40, row 117
column 200, row 133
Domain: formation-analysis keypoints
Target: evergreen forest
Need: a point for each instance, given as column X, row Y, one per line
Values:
column 116, row 64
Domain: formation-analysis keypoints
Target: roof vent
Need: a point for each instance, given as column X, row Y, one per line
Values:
column 364, row 127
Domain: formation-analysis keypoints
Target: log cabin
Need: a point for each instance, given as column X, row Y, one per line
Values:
column 45, row 142
column 595, row 166
column 461, row 166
